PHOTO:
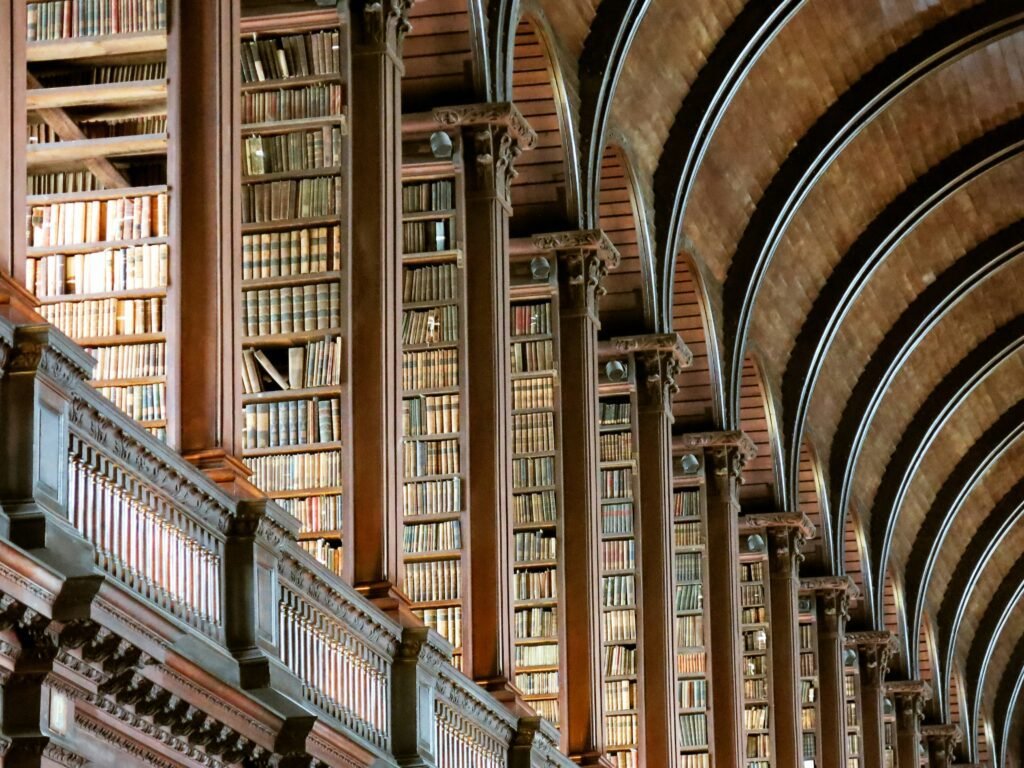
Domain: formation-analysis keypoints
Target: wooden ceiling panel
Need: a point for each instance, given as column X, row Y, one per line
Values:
column 853, row 560
column 810, row 501
column 571, row 19
column 944, row 111
column 693, row 404
column 826, row 46
column 993, row 201
column 758, row 490
column 438, row 56
column 617, row 217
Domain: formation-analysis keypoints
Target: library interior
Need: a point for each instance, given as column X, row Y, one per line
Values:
column 511, row 383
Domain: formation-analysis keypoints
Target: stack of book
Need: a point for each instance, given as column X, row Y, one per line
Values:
column 755, row 632
column 808, row 629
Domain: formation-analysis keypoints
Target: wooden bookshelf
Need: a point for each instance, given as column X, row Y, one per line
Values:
column 536, row 488
column 98, row 205
column 435, row 451
column 810, row 714
column 755, row 632
column 618, row 442
column 851, row 692
column 295, row 245
column 889, row 732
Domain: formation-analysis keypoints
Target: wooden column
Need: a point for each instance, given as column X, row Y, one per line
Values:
column 832, row 595
column 941, row 740
column 724, row 453
column 13, row 139
column 873, row 651
column 494, row 135
column 659, row 360
column 786, row 534
column 909, row 697
column 375, row 356
column 584, row 259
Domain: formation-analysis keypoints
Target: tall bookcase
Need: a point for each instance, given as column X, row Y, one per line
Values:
column 620, row 628
column 99, row 256
column 851, row 691
column 889, row 732
column 755, row 629
column 433, row 393
column 537, row 584
column 693, row 662
column 295, row 241
column 809, row 681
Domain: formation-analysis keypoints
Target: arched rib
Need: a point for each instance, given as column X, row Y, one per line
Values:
column 483, row 85
column 944, row 43
column 1008, row 698
column 502, row 18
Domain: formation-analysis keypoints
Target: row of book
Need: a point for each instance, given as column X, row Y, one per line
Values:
column 619, row 695
column 626, row 758
column 296, row 471
column 537, row 683
column 43, row 133
column 432, row 497
column 291, row 423
column 315, row 513
column 617, row 519
column 106, row 317
column 291, row 309
column 446, row 621
column 755, row 718
column 533, row 471
column 535, row 585
column 327, row 553
column 613, row 414
column 304, row 251
column 808, row 692
column 620, row 660
column 755, row 666
column 693, row 729
column 435, row 580
column 752, row 571
column 426, row 537
column 319, row 100
column 618, row 591
column 690, row 631
column 687, row 566
column 530, row 356
column 278, row 58
column 426, row 236
column 422, row 196
column 431, row 326
column 533, row 623
column 430, row 457
column 533, row 432
column 691, row 662
column 807, row 665
column 536, row 655
column 619, row 626
column 63, row 19
column 618, row 555
column 752, row 594
column 689, row 597
column 548, row 709
column 529, row 394
column 616, row 483
column 305, row 150
column 621, row 730
column 695, row 760
column 806, row 636
column 114, row 269
column 753, row 615
column 94, row 221
column 808, row 718
column 104, row 74
column 274, row 201
column 130, row 361
column 755, row 689
column 689, row 534
column 616, row 446
column 533, row 546
column 686, row 503
column 438, row 282
column 531, row 319
column 144, row 402
column 315, row 364
column 692, row 694
column 430, row 369
column 430, row 415
column 537, row 507
column 62, row 182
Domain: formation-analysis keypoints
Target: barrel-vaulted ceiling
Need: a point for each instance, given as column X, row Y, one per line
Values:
column 825, row 198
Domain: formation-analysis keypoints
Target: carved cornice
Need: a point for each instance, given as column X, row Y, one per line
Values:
column 709, row 441
column 12, row 576
column 876, row 649
column 584, row 256
column 475, row 705
column 386, row 23
column 766, row 520
column 497, row 114
column 826, row 584
column 579, row 240
column 42, row 348
column 265, row 520
column 943, row 737
column 63, row 756
column 108, row 735
column 661, row 357
column 908, row 688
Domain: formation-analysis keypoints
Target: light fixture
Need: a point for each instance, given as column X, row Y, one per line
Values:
column 849, row 657
column 540, row 268
column 755, row 543
column 441, row 145
column 805, row 605
column 689, row 463
column 887, row 706
column 616, row 370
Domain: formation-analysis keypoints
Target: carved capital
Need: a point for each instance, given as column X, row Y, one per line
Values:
column 385, row 23
column 730, row 450
column 787, row 533
column 834, row 593
column 44, row 349
column 875, row 649
column 585, row 257
column 909, row 697
column 660, row 358
column 264, row 520
column 942, row 739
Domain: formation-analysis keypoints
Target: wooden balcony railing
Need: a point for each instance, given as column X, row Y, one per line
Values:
column 471, row 728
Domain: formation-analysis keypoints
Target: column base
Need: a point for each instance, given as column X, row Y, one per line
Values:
column 393, row 601
column 228, row 471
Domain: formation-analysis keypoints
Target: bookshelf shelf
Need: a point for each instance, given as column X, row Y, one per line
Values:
column 290, row 394
column 431, row 257
column 291, row 339
column 49, row 155
column 97, row 47
column 306, row 173
column 100, row 94
column 271, row 128
column 303, row 278
column 281, row 225
column 290, row 82
column 99, row 194
column 137, row 293
column 334, row 445
column 851, row 691
column 93, row 246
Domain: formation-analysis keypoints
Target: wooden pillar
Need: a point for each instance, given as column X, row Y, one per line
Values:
column 909, row 697
column 786, row 534
column 494, row 136
column 13, row 139
column 659, row 360
column 941, row 740
column 873, row 651
column 724, row 453
column 375, row 356
column 584, row 259
column 832, row 595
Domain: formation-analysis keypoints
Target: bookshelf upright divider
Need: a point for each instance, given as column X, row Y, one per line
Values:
column 810, row 714
column 756, row 636
column 851, row 692
column 435, row 450
column 295, row 247
column 537, row 585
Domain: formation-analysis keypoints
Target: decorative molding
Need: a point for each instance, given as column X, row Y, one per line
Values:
column 63, row 756
column 42, row 348
column 579, row 240
column 9, row 574
column 265, row 520
column 585, row 257
column 476, row 706
column 209, row 701
column 829, row 584
column 707, row 441
column 116, row 614
column 387, row 22
column 117, row 740
column 660, row 357
column 497, row 114
column 766, row 520
column 908, row 688
column 876, row 648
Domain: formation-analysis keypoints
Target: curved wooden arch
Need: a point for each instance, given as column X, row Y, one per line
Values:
column 856, row 563
column 961, row 482
column 943, row 44
column 894, row 618
column 759, row 405
column 990, row 628
column 849, row 278
column 502, row 20
column 601, row 61
column 1008, row 698
column 926, row 424
column 482, row 78
column 693, row 127
column 813, row 487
